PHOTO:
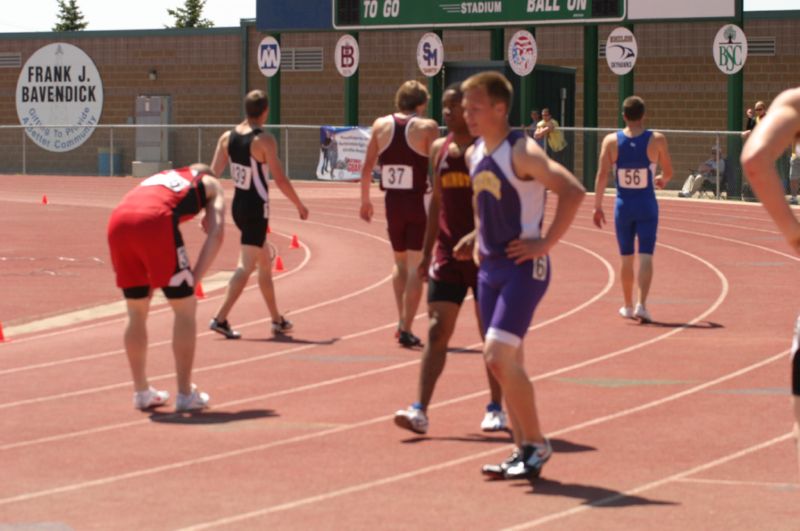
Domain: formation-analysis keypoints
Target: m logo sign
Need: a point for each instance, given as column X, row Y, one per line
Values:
column 269, row 56
column 730, row 49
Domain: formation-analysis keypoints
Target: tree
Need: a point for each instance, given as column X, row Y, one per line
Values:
column 70, row 17
column 189, row 16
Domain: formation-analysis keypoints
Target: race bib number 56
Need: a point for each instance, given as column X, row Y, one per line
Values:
column 632, row 177
column 397, row 177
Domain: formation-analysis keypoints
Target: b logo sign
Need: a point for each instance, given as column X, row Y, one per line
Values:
column 269, row 56
column 430, row 54
column 346, row 55
column 730, row 49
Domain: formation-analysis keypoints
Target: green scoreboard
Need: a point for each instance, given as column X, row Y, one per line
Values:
column 354, row 15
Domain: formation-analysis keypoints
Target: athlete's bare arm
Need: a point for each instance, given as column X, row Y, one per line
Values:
column 779, row 127
column 370, row 158
column 432, row 223
column 265, row 149
column 476, row 254
column 658, row 152
column 213, row 225
column 530, row 162
column 608, row 155
column 220, row 159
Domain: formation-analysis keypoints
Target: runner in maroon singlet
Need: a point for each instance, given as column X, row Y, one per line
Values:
column 147, row 252
column 401, row 143
column 451, row 227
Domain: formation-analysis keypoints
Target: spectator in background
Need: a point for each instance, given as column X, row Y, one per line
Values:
column 705, row 171
column 536, row 117
column 547, row 131
column 754, row 117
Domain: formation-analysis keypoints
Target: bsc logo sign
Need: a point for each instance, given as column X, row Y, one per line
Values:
column 730, row 49
column 269, row 56
column 346, row 55
column 430, row 54
column 522, row 53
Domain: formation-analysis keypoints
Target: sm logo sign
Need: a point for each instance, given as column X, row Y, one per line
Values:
column 269, row 56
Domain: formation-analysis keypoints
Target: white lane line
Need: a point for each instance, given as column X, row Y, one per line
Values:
column 735, row 483
column 654, row 484
column 606, row 288
column 166, row 309
column 207, row 368
column 486, row 453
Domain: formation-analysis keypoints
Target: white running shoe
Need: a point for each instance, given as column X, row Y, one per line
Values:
column 494, row 421
column 148, row 398
column 412, row 419
column 642, row 314
column 626, row 312
column 194, row 401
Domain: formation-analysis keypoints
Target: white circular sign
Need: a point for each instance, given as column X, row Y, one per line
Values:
column 430, row 54
column 59, row 85
column 346, row 55
column 730, row 49
column 621, row 51
column 522, row 52
column 269, row 56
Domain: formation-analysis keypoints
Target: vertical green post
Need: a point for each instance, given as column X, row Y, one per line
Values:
column 625, row 87
column 590, row 104
column 435, row 89
column 526, row 90
column 351, row 95
column 735, row 111
column 496, row 45
column 274, row 93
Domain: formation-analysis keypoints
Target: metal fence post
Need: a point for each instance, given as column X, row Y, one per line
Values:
column 24, row 154
column 286, row 149
column 719, row 193
column 110, row 151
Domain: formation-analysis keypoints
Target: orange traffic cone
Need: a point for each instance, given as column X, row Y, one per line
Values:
column 2, row 338
column 269, row 230
column 279, row 265
column 295, row 244
column 198, row 291
column 44, row 199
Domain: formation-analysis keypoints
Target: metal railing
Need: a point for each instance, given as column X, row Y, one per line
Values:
column 111, row 150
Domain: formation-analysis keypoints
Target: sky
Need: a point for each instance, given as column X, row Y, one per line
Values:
column 40, row 15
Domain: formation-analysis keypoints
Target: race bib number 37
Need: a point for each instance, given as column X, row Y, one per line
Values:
column 397, row 177
column 632, row 177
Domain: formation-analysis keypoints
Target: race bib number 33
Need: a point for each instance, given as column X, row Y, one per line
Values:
column 632, row 178
column 397, row 177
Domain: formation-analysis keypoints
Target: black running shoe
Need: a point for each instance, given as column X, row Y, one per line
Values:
column 409, row 340
column 534, row 456
column 224, row 328
column 499, row 471
column 282, row 326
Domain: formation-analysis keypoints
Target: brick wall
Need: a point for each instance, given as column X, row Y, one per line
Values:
column 202, row 73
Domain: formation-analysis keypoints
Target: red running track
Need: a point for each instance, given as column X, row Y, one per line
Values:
column 683, row 424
